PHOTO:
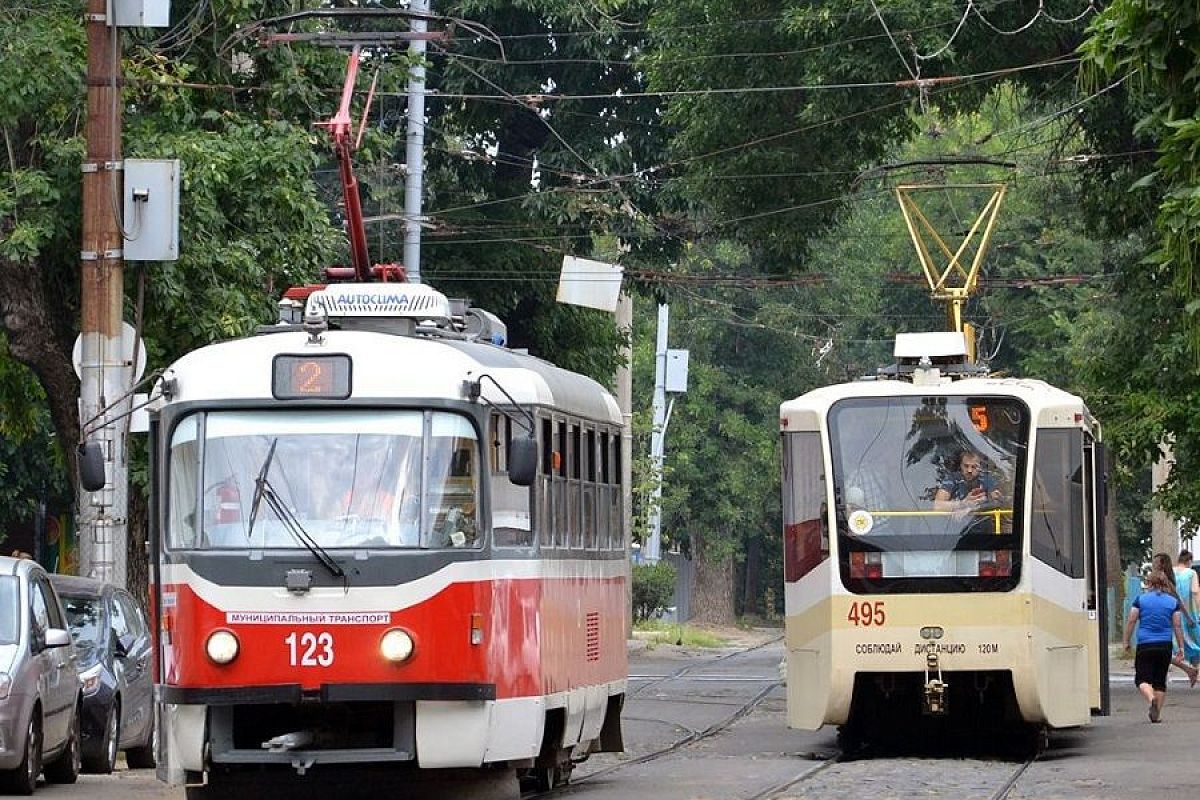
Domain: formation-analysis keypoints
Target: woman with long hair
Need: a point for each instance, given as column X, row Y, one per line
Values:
column 1156, row 614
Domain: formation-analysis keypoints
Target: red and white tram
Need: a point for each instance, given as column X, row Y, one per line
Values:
column 378, row 536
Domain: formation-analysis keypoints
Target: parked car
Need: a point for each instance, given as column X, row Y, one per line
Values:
column 112, row 641
column 40, row 695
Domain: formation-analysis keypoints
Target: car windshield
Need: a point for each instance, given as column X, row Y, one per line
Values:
column 83, row 616
column 256, row 480
column 927, row 489
column 10, row 610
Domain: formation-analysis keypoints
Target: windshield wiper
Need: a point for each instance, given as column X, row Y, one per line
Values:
column 293, row 526
column 264, row 489
column 260, row 487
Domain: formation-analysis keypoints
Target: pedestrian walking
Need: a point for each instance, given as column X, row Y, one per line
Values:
column 1156, row 614
column 1187, row 586
column 1183, row 657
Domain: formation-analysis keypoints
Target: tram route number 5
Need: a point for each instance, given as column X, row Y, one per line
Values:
column 310, row 649
column 866, row 613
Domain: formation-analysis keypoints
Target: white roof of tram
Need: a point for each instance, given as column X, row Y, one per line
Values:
column 390, row 366
column 1048, row 405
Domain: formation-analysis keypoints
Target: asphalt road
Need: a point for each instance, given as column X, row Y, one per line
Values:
column 707, row 725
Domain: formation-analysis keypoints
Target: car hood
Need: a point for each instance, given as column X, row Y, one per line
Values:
column 8, row 654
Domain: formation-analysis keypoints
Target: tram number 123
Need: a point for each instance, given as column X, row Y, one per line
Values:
column 867, row 614
column 309, row 649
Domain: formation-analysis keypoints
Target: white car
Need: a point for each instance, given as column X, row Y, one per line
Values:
column 40, row 694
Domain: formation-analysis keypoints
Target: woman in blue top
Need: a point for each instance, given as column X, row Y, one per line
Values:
column 1157, row 615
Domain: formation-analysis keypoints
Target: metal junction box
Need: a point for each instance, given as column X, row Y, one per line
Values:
column 677, row 371
column 140, row 13
column 151, row 206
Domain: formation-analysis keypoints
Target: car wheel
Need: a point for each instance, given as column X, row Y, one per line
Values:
column 23, row 779
column 145, row 756
column 65, row 768
column 104, row 760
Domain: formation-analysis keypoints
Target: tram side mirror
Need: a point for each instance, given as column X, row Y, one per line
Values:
column 522, row 461
column 91, row 466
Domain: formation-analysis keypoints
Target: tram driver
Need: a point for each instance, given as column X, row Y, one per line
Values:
column 967, row 489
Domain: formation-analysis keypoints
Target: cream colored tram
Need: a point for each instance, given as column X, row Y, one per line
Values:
column 904, row 617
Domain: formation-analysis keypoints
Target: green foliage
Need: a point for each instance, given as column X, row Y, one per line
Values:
column 31, row 468
column 653, row 588
column 770, row 169
column 1147, row 360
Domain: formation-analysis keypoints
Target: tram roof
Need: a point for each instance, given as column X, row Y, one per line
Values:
column 392, row 367
column 1037, row 394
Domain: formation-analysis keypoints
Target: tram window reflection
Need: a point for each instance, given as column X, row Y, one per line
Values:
column 346, row 479
column 911, row 505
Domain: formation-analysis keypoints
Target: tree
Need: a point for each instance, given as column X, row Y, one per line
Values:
column 1148, row 361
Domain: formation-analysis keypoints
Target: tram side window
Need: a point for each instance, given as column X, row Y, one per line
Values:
column 545, row 516
column 1056, row 520
column 805, row 532
column 616, row 508
column 574, row 538
column 603, row 490
column 183, row 492
column 511, row 522
column 560, row 487
column 588, row 488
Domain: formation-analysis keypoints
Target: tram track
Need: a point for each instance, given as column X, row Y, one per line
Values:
column 689, row 669
column 693, row 736
column 965, row 779
column 826, row 775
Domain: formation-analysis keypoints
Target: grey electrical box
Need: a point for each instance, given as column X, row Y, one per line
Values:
column 151, row 220
column 140, row 13
column 677, row 371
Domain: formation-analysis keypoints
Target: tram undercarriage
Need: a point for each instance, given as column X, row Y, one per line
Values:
column 978, row 709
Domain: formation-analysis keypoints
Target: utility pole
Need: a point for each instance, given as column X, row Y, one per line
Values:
column 102, row 515
column 624, row 320
column 651, row 551
column 1164, row 529
column 415, row 144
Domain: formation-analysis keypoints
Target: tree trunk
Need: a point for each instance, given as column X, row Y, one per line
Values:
column 25, row 316
column 751, row 591
column 713, row 600
column 1112, row 552
column 137, row 575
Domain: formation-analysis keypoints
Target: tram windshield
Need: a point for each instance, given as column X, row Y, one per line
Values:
column 345, row 479
column 928, row 492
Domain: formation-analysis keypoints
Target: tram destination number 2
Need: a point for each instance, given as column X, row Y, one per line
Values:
column 309, row 649
column 867, row 614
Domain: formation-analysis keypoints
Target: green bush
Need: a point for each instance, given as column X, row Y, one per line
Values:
column 653, row 589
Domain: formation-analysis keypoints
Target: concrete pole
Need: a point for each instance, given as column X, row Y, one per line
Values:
column 1164, row 530
column 102, row 516
column 415, row 147
column 651, row 552
column 624, row 320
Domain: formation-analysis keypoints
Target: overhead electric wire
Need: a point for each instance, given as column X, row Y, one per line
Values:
column 536, row 98
column 841, row 43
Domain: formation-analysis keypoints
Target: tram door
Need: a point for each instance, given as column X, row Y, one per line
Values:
column 1095, row 485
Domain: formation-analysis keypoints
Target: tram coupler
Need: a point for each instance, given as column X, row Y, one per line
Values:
column 289, row 741
column 935, row 688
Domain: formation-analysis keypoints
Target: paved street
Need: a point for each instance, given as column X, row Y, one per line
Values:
column 726, row 717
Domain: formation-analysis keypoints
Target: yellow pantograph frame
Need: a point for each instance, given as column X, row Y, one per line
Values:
column 954, row 283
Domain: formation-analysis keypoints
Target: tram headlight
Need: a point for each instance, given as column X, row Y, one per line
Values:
column 222, row 647
column 396, row 645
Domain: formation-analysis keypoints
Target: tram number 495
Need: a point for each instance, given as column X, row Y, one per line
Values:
column 310, row 649
column 867, row 613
